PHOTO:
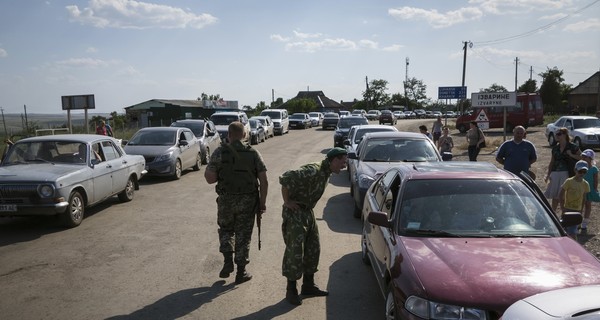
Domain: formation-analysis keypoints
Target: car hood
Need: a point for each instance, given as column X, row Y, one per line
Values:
column 37, row 172
column 148, row 150
column 586, row 131
column 496, row 272
column 374, row 169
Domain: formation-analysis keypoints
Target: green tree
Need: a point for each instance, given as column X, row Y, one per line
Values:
column 494, row 88
column 415, row 91
column 375, row 96
column 550, row 90
column 277, row 102
column 206, row 97
column 301, row 105
column 530, row 86
column 398, row 99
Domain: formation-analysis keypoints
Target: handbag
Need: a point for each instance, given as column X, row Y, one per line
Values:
column 481, row 145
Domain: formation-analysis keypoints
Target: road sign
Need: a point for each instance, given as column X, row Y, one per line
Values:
column 482, row 117
column 452, row 92
column 493, row 99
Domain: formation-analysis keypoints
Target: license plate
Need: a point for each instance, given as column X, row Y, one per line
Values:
column 8, row 207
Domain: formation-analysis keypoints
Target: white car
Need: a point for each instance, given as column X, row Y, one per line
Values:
column 399, row 114
column 583, row 130
column 316, row 118
column 267, row 124
column 581, row 303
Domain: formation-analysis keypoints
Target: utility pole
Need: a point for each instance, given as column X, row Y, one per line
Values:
column 465, row 43
column 406, row 83
column 368, row 93
column 4, row 121
column 530, row 72
column 516, row 69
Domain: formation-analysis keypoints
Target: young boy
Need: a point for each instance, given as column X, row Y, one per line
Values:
column 572, row 194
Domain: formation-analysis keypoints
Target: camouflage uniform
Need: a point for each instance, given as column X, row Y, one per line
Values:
column 300, row 233
column 238, row 196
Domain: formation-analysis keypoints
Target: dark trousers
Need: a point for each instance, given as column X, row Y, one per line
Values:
column 473, row 153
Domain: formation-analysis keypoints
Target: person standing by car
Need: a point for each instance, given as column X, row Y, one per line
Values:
column 445, row 143
column 236, row 167
column 517, row 154
column 423, row 130
column 564, row 154
column 572, row 194
column 436, row 130
column 592, row 179
column 475, row 138
column 301, row 189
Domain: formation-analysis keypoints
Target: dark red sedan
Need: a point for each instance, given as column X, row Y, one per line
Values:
column 465, row 240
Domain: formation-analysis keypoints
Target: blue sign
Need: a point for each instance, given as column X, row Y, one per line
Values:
column 452, row 92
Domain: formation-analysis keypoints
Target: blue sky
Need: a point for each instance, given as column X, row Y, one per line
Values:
column 126, row 52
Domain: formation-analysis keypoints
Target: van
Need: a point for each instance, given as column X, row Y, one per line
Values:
column 222, row 120
column 281, row 121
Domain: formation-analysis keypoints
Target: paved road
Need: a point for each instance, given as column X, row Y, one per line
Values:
column 157, row 256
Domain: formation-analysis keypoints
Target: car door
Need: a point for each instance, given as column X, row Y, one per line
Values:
column 104, row 176
column 189, row 151
column 210, row 135
column 118, row 165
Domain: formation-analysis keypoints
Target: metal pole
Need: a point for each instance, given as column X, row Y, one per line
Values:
column 4, row 121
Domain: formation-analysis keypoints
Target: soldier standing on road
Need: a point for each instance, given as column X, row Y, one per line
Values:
column 301, row 189
column 517, row 154
column 236, row 167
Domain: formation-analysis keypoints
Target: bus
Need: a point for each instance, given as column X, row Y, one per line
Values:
column 528, row 111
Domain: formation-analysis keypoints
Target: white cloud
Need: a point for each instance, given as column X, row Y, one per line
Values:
column 393, row 48
column 3, row 53
column 519, row 6
column 128, row 71
column 369, row 44
column 553, row 17
column 435, row 18
column 279, row 38
column 91, row 50
column 131, row 14
column 587, row 25
column 301, row 35
column 83, row 63
column 323, row 45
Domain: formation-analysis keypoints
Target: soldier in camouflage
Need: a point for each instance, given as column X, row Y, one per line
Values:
column 301, row 190
column 241, row 177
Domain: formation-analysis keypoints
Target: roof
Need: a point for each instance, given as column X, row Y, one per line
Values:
column 85, row 138
column 579, row 117
column 590, row 85
column 395, row 134
column 318, row 97
column 455, row 170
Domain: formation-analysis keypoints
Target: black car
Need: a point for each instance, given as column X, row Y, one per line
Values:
column 300, row 120
column 257, row 132
column 343, row 126
column 330, row 120
column 387, row 116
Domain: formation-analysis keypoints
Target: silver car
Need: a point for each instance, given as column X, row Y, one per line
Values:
column 64, row 174
column 168, row 150
column 205, row 131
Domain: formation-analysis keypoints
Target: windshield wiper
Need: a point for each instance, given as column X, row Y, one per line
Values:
column 519, row 235
column 429, row 232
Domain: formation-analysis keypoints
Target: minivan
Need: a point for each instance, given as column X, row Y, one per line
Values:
column 281, row 121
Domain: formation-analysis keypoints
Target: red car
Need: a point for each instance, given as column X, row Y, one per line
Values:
column 465, row 240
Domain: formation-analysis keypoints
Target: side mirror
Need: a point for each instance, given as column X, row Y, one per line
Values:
column 379, row 218
column 183, row 143
column 347, row 142
column 447, row 156
column 352, row 155
column 124, row 142
column 570, row 219
column 95, row 161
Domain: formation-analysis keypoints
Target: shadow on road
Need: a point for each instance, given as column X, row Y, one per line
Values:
column 269, row 312
column 178, row 304
column 338, row 213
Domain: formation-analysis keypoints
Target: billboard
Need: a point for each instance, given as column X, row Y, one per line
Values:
column 85, row 101
column 452, row 92
column 493, row 99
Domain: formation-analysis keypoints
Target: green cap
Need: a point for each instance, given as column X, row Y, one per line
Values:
column 336, row 152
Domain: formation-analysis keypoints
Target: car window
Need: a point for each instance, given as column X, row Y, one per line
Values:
column 188, row 136
column 474, row 207
column 398, row 150
column 361, row 132
column 348, row 122
column 109, row 151
column 386, row 192
column 568, row 124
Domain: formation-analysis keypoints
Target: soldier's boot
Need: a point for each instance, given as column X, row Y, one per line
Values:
column 291, row 293
column 309, row 288
column 242, row 275
column 227, row 265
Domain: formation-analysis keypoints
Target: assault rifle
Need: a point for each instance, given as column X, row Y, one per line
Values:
column 258, row 217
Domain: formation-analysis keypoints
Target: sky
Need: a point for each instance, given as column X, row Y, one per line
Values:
column 125, row 52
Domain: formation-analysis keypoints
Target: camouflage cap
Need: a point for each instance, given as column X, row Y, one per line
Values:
column 336, row 152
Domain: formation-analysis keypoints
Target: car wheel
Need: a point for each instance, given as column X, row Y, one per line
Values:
column 127, row 194
column 357, row 212
column 206, row 156
column 462, row 128
column 177, row 174
column 73, row 216
column 363, row 245
column 390, row 304
column 198, row 164
column 577, row 141
column 551, row 140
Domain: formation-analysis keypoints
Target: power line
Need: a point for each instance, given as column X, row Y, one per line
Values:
column 542, row 28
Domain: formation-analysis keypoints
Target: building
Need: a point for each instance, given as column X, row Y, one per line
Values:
column 162, row 112
column 323, row 103
column 587, row 95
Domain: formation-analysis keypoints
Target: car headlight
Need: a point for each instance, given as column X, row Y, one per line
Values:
column 434, row 310
column 365, row 181
column 164, row 157
column 46, row 190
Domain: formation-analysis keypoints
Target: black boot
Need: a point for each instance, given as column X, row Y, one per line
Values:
column 227, row 265
column 291, row 293
column 309, row 288
column 242, row 276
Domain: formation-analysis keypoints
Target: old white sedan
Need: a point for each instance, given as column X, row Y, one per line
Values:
column 64, row 174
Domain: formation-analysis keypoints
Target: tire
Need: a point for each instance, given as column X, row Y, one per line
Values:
column 127, row 194
column 206, row 156
column 462, row 128
column 198, row 164
column 364, row 251
column 551, row 140
column 178, row 170
column 73, row 216
column 357, row 213
column 391, row 312
column 577, row 141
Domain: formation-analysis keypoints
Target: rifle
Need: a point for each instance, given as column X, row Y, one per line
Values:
column 258, row 217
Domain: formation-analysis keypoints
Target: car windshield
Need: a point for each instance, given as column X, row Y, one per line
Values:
column 347, row 122
column 153, row 138
column 473, row 207
column 332, row 116
column 196, row 127
column 586, row 123
column 313, row 114
column 398, row 150
column 223, row 120
column 46, row 151
column 297, row 116
column 272, row 114
column 253, row 123
column 361, row 132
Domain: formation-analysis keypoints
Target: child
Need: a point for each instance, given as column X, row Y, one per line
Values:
column 424, row 131
column 572, row 194
column 592, row 179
